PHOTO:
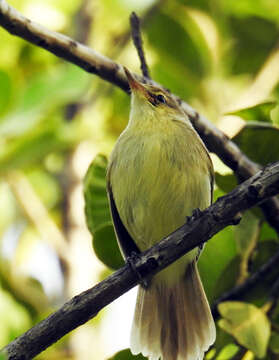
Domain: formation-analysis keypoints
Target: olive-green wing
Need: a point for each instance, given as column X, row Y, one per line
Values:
column 125, row 241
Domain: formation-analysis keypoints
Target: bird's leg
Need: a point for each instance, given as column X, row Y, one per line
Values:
column 195, row 215
column 131, row 260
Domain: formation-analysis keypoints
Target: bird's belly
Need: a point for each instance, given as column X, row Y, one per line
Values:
column 160, row 193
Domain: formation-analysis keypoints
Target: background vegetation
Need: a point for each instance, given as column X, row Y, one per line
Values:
column 220, row 56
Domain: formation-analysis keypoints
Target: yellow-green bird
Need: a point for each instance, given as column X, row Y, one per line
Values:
column 159, row 172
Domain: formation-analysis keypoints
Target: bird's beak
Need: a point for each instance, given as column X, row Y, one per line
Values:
column 135, row 85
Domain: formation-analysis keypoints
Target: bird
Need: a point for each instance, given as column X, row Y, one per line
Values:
column 158, row 173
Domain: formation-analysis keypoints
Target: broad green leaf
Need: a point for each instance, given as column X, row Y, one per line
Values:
column 98, row 214
column 106, row 248
column 246, row 237
column 259, row 112
column 97, row 206
column 246, row 234
column 127, row 355
column 247, row 323
column 267, row 232
column 226, row 182
column 215, row 257
column 259, row 141
column 228, row 278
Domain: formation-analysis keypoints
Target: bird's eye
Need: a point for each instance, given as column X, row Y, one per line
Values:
column 161, row 99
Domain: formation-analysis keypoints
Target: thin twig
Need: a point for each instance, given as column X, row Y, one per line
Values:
column 137, row 40
column 195, row 232
column 93, row 62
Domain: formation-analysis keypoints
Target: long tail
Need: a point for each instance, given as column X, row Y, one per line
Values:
column 173, row 323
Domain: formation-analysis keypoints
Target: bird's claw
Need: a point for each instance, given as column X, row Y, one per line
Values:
column 195, row 215
column 131, row 261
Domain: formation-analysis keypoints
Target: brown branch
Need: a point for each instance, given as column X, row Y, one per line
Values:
column 105, row 68
column 137, row 40
column 195, row 232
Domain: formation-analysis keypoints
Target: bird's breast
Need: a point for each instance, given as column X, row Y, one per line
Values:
column 157, row 181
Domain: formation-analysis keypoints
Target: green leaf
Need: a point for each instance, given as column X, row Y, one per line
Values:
column 226, row 182
column 247, row 323
column 127, row 355
column 246, row 234
column 246, row 237
column 228, row 277
column 267, row 232
column 98, row 214
column 106, row 247
column 259, row 112
column 219, row 251
column 259, row 141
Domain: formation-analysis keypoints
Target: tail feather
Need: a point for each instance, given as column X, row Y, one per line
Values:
column 173, row 322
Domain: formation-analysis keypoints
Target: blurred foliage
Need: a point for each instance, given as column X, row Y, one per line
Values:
column 259, row 112
column 219, row 55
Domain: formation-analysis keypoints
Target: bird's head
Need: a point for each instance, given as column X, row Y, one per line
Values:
column 149, row 101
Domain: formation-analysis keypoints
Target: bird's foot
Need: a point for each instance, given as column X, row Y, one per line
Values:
column 131, row 260
column 195, row 215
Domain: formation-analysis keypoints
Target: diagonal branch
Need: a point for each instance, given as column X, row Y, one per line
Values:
column 81, row 308
column 93, row 62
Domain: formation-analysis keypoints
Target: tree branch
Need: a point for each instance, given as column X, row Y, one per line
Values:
column 81, row 308
column 93, row 62
column 137, row 40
